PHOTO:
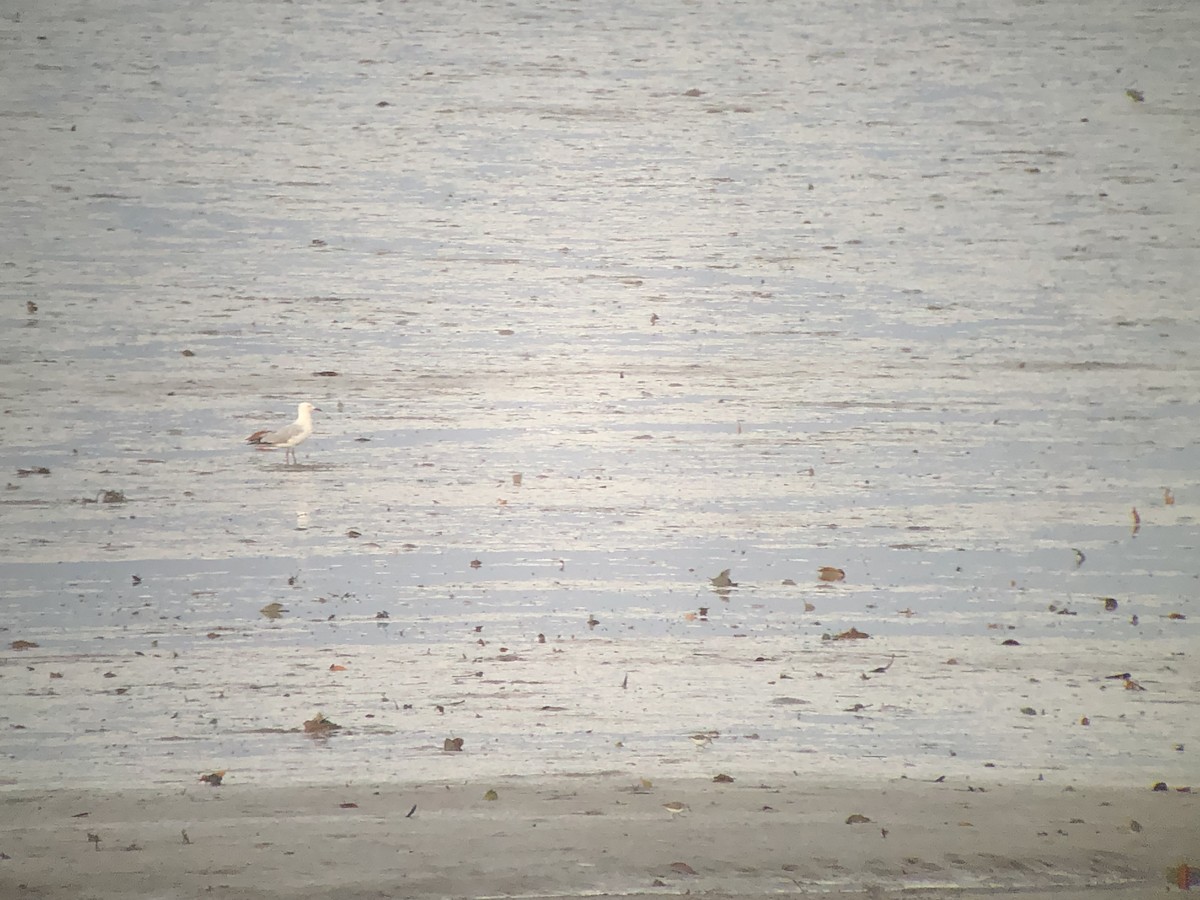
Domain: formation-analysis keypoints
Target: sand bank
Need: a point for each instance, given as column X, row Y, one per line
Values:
column 597, row 835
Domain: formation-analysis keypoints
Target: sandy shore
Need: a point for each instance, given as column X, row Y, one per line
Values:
column 977, row 779
column 597, row 835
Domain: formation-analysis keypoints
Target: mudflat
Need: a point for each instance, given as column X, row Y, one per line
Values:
column 803, row 394
column 718, row 767
column 598, row 836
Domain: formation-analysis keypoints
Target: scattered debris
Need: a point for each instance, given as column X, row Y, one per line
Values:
column 1187, row 877
column 214, row 778
column 1130, row 684
column 831, row 573
column 319, row 725
column 852, row 634
column 722, row 580
column 452, row 745
column 857, row 819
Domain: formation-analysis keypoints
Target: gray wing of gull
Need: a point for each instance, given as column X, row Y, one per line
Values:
column 283, row 435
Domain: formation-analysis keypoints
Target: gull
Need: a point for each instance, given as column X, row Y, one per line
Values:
column 288, row 436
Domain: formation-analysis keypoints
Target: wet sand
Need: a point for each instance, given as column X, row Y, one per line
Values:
column 1047, row 708
column 599, row 836
column 1003, row 769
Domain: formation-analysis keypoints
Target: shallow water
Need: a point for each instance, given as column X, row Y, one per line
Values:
column 729, row 286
